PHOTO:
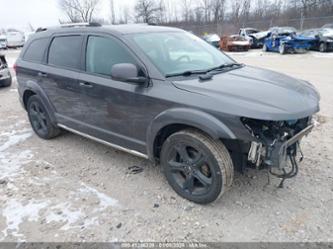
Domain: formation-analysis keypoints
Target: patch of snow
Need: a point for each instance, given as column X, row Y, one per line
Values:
column 105, row 201
column 16, row 213
column 14, row 138
column 68, row 214
column 11, row 163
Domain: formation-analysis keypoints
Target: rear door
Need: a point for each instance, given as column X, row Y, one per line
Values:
column 60, row 78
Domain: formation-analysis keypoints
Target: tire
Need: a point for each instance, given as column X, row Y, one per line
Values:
column 282, row 49
column 196, row 166
column 323, row 47
column 7, row 82
column 264, row 48
column 40, row 119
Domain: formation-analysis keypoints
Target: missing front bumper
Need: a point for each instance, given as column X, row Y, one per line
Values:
column 277, row 153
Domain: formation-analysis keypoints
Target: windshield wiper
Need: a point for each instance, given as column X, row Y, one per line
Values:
column 192, row 72
column 223, row 66
column 186, row 73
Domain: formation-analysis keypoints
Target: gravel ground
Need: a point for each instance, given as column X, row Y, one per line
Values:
column 73, row 189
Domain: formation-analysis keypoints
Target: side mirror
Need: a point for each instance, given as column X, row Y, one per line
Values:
column 127, row 72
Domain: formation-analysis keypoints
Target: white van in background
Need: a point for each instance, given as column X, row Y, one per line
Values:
column 15, row 38
column 3, row 42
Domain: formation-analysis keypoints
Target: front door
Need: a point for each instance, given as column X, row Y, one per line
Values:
column 113, row 106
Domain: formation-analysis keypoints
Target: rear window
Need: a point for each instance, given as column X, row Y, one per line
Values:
column 35, row 52
column 65, row 51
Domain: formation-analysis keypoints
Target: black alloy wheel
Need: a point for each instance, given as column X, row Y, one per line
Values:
column 40, row 120
column 197, row 167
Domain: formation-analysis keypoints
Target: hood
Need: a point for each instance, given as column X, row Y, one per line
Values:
column 212, row 38
column 300, row 38
column 260, row 35
column 256, row 93
column 327, row 33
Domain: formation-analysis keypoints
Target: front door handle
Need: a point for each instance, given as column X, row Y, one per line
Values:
column 41, row 74
column 85, row 84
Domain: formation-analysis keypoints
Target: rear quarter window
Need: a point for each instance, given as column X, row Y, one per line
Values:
column 36, row 50
column 65, row 51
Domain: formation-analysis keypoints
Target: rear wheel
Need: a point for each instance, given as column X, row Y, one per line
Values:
column 40, row 120
column 196, row 166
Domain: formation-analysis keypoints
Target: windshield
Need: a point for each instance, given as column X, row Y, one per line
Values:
column 252, row 31
column 177, row 52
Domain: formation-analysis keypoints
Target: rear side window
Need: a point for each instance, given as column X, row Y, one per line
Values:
column 65, row 51
column 35, row 52
column 103, row 53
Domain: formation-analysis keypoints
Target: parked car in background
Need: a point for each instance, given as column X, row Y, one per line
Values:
column 5, row 76
column 284, row 40
column 323, row 39
column 3, row 42
column 254, row 36
column 234, row 43
column 212, row 39
column 15, row 38
column 328, row 26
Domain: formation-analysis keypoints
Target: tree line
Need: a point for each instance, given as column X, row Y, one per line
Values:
column 173, row 12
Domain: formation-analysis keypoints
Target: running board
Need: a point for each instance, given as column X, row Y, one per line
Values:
column 133, row 152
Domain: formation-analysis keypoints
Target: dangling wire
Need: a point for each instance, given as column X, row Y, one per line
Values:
column 287, row 175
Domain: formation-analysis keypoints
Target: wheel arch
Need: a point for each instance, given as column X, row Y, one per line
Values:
column 31, row 89
column 173, row 120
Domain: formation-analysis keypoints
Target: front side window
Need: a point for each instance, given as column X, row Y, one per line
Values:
column 176, row 52
column 65, row 51
column 103, row 53
column 35, row 52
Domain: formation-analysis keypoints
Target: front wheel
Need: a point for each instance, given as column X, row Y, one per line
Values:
column 322, row 47
column 196, row 166
column 282, row 49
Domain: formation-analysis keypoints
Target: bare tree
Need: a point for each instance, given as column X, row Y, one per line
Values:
column 198, row 15
column 187, row 6
column 79, row 10
column 206, row 4
column 160, row 15
column 218, row 9
column 113, row 15
column 236, row 6
column 126, row 14
column 246, row 8
column 147, row 10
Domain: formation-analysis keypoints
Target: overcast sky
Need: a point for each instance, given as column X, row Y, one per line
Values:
column 19, row 13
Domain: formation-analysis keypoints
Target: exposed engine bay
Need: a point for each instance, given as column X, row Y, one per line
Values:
column 277, row 142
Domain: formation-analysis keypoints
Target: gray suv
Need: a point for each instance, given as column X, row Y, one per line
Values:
column 166, row 95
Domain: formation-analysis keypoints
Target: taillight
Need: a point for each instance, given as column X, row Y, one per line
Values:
column 15, row 67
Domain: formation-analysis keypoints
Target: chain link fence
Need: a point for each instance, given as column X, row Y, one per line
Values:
column 227, row 28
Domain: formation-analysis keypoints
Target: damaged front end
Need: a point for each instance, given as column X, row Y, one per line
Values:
column 276, row 143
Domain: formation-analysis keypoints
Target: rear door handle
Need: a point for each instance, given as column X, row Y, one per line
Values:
column 85, row 84
column 41, row 74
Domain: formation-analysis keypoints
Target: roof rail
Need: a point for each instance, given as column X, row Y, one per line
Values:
column 71, row 25
column 81, row 24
